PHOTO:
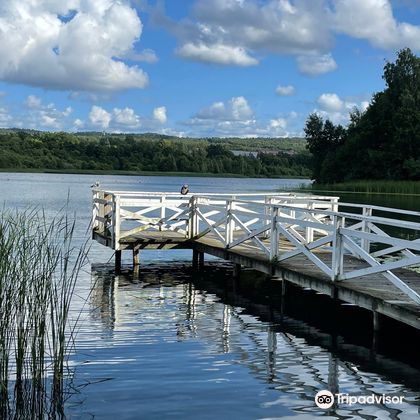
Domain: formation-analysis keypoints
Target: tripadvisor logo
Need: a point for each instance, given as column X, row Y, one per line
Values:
column 324, row 399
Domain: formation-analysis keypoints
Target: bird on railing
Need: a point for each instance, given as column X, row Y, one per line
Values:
column 95, row 185
column 184, row 189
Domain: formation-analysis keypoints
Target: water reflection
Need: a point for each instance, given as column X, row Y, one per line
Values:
column 289, row 359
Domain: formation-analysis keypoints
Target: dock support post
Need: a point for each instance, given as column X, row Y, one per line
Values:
column 136, row 261
column 118, row 261
column 237, row 271
column 377, row 321
column 195, row 259
column 283, row 299
column 376, row 336
column 283, row 288
column 198, row 259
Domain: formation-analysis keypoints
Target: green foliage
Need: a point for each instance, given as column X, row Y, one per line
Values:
column 323, row 140
column 381, row 143
column 25, row 150
column 371, row 187
column 290, row 144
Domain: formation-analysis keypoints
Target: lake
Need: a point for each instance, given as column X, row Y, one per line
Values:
column 174, row 344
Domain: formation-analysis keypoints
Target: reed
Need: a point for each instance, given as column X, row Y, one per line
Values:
column 39, row 267
column 370, row 187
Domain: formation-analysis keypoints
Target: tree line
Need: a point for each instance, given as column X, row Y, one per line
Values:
column 25, row 150
column 383, row 142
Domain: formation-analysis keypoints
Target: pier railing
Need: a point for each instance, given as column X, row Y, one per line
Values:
column 278, row 227
column 120, row 214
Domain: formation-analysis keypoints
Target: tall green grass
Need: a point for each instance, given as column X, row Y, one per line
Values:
column 371, row 187
column 38, row 272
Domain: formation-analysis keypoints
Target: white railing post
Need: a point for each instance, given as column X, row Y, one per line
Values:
column 116, row 222
column 193, row 218
column 94, row 209
column 267, row 213
column 338, row 249
column 101, row 212
column 367, row 212
column 309, row 230
column 274, row 238
column 334, row 207
column 162, row 210
column 230, row 222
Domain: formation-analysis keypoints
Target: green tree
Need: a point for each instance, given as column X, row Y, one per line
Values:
column 323, row 140
column 381, row 143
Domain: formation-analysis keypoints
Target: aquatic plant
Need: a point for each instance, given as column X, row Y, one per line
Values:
column 39, row 267
column 369, row 187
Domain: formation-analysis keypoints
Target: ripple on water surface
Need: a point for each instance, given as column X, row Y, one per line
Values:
column 164, row 346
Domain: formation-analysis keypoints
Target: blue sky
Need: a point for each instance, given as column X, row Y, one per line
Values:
column 195, row 67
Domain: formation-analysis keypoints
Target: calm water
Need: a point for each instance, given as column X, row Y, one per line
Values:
column 174, row 345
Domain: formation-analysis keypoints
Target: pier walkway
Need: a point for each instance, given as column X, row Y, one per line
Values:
column 361, row 254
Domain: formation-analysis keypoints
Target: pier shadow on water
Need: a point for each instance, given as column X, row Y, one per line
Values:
column 187, row 344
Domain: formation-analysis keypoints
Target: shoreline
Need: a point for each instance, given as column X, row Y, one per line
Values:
column 360, row 192
column 139, row 173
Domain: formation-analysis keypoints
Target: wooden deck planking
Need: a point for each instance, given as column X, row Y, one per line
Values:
column 148, row 240
column 372, row 292
column 156, row 240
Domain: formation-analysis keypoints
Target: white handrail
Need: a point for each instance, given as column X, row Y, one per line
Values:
column 280, row 226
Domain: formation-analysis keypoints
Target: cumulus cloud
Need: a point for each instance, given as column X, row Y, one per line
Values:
column 159, row 114
column 285, row 90
column 314, row 65
column 49, row 121
column 37, row 114
column 242, row 32
column 364, row 105
column 32, row 101
column 125, row 117
column 217, row 53
column 337, row 109
column 232, row 32
column 69, row 44
column 330, row 102
column 67, row 111
column 99, row 117
column 373, row 20
column 43, row 116
column 279, row 123
column 78, row 124
column 235, row 118
column 236, row 109
column 5, row 118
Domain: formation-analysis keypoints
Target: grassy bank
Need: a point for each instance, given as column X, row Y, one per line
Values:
column 370, row 187
column 139, row 173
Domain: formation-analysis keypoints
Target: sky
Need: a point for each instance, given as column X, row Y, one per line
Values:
column 224, row 68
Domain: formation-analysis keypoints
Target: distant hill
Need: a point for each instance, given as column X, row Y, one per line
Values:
column 232, row 143
column 150, row 152
column 297, row 144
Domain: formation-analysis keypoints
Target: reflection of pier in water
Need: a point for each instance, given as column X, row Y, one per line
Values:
column 269, row 348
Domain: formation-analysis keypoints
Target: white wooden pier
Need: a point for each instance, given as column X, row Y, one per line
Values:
column 361, row 254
